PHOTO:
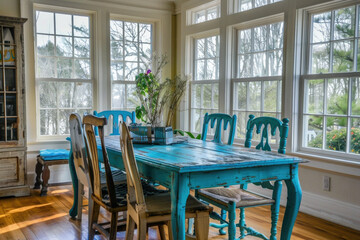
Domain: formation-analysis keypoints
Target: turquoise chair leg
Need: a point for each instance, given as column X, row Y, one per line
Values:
column 232, row 217
column 242, row 223
column 275, row 209
column 223, row 216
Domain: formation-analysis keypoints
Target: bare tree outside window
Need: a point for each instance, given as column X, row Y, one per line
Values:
column 131, row 50
column 63, row 69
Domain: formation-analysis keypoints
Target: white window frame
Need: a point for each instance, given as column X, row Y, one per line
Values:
column 237, row 10
column 191, row 14
column 62, row 10
column 194, row 82
column 306, row 75
column 153, row 49
column 236, row 79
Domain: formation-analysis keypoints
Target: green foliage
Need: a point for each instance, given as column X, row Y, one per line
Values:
column 336, row 140
column 182, row 133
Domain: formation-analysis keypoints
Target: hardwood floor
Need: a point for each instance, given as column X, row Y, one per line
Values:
column 47, row 218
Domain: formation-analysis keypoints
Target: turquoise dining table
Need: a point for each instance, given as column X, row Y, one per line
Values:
column 197, row 164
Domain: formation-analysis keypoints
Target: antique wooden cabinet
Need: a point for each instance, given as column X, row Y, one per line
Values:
column 12, row 109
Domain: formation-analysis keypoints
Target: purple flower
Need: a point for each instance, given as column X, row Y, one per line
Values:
column 148, row 71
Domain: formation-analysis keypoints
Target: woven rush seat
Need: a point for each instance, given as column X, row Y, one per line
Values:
column 241, row 197
column 121, row 191
column 159, row 204
column 119, row 176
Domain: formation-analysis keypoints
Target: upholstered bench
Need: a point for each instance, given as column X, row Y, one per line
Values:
column 46, row 158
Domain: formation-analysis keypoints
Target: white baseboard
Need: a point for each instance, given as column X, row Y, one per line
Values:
column 343, row 213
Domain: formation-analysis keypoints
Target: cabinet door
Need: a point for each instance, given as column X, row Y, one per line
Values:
column 12, row 169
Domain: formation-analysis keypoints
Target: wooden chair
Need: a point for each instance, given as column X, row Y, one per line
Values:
column 111, row 197
column 115, row 118
column 231, row 198
column 82, row 166
column 143, row 210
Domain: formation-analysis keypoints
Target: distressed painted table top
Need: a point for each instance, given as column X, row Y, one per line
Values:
column 195, row 154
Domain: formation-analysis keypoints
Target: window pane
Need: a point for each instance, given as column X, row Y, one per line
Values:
column 82, row 69
column 116, row 30
column 343, row 56
column 131, row 70
column 45, row 67
column 131, row 31
column 344, row 23
column 270, row 95
column 242, row 119
column 45, row 45
column 259, row 64
column 196, row 95
column 81, row 26
column 64, row 127
column 245, row 41
column 200, row 16
column 83, row 95
column 260, row 38
column 63, row 24
column 355, row 136
column 244, row 65
column 145, row 33
column 66, row 92
column 82, row 47
column 132, row 99
column 321, row 27
column 200, row 48
column 313, row 131
column 116, row 50
column 275, row 63
column 254, row 96
column 117, row 72
column 355, row 97
column 276, row 35
column 48, row 122
column 336, row 134
column 44, row 22
column 118, row 96
column 314, row 96
column 64, row 68
column 64, row 46
column 320, row 58
column 337, row 95
column 241, row 95
column 48, row 94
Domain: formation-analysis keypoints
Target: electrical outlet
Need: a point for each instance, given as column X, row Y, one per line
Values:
column 326, row 183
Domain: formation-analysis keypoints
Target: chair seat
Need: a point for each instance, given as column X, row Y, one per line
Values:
column 160, row 204
column 119, row 176
column 54, row 154
column 241, row 197
column 121, row 191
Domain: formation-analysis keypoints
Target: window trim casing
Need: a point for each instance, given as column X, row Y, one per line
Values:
column 93, row 68
column 305, row 40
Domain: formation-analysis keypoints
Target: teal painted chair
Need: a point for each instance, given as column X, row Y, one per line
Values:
column 115, row 116
column 221, row 120
column 229, row 199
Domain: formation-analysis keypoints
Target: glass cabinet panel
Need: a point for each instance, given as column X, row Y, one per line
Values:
column 10, row 79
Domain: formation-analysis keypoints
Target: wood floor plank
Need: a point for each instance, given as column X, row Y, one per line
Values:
column 47, row 218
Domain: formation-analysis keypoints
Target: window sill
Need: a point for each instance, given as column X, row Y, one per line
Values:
column 327, row 163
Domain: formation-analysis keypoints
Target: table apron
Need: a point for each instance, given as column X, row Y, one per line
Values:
column 217, row 178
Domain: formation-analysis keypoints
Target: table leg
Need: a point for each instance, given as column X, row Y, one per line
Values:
column 292, row 205
column 179, row 194
column 73, row 211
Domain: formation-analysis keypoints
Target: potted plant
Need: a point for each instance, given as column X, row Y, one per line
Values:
column 157, row 97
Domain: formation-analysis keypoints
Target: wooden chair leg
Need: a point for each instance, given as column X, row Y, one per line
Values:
column 90, row 208
column 169, row 230
column 94, row 219
column 113, row 225
column 202, row 225
column 130, row 228
column 162, row 232
column 38, row 171
column 45, row 178
column 141, row 229
column 80, row 200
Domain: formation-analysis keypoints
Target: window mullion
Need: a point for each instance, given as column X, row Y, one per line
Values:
column 349, row 110
column 325, row 112
column 332, row 41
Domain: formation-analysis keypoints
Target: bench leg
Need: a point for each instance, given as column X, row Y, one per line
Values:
column 45, row 178
column 38, row 171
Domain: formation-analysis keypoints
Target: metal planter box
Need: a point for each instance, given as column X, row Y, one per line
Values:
column 151, row 135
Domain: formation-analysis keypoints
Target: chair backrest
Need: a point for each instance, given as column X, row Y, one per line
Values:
column 78, row 149
column 115, row 116
column 135, row 190
column 90, row 122
column 274, row 124
column 221, row 119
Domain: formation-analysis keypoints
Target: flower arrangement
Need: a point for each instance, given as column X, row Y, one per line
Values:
column 158, row 96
